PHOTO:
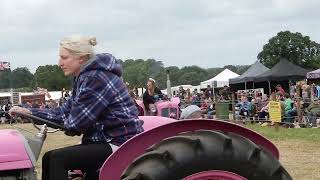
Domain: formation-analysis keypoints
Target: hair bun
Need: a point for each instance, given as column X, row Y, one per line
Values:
column 93, row 41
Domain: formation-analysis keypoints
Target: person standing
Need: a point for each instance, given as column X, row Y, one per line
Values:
column 280, row 90
column 150, row 96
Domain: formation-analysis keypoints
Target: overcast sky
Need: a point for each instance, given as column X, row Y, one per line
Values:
column 206, row 33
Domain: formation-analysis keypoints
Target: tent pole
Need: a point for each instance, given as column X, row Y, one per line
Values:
column 269, row 88
column 289, row 83
column 252, row 85
column 245, row 88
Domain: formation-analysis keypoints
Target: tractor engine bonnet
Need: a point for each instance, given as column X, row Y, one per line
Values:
column 13, row 154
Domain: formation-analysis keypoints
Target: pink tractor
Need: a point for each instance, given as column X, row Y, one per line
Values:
column 167, row 150
column 166, row 108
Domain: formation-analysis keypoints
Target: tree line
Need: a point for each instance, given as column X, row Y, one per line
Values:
column 295, row 47
column 135, row 72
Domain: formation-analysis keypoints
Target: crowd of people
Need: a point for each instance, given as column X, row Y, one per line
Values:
column 204, row 99
column 50, row 104
column 247, row 107
column 259, row 107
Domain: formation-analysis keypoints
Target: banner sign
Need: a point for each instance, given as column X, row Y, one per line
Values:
column 275, row 111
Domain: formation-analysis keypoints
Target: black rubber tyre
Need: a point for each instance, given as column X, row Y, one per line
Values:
column 177, row 157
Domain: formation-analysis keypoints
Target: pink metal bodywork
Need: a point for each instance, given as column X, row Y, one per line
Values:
column 159, row 128
column 175, row 100
column 172, row 104
column 221, row 175
column 13, row 154
column 151, row 122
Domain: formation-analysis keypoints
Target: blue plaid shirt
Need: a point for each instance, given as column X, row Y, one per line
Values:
column 100, row 106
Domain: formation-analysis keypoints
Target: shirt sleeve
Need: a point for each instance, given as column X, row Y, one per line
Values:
column 57, row 115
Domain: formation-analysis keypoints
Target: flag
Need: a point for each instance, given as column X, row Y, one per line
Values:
column 4, row 65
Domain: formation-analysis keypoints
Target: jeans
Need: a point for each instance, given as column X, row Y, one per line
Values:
column 289, row 116
column 210, row 114
column 262, row 114
column 244, row 112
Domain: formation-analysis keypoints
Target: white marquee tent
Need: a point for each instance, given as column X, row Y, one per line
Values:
column 221, row 79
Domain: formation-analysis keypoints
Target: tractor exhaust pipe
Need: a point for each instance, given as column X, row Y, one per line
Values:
column 168, row 86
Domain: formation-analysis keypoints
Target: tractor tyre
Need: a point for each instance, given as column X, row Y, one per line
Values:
column 200, row 151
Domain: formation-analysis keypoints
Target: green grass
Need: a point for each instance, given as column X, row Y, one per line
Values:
column 308, row 134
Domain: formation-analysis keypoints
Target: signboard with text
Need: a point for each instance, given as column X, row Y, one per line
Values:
column 275, row 111
column 15, row 98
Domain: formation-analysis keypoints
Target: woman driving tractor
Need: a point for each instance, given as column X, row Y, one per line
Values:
column 100, row 109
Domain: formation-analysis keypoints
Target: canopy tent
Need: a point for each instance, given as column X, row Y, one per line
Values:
column 314, row 74
column 219, row 80
column 282, row 71
column 256, row 69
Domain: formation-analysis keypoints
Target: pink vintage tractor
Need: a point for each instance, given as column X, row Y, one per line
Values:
column 165, row 108
column 170, row 107
column 167, row 150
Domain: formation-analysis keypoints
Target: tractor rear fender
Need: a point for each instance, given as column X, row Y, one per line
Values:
column 159, row 128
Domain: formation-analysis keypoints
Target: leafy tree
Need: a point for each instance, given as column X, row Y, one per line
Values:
column 154, row 67
column 5, row 76
column 192, row 75
column 52, row 78
column 295, row 47
column 137, row 72
column 187, row 75
column 21, row 77
column 161, row 78
column 231, row 68
column 192, row 78
column 212, row 72
column 240, row 69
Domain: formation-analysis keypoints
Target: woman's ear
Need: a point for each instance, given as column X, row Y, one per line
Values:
column 83, row 58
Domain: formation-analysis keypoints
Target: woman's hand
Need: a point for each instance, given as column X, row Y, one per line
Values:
column 19, row 109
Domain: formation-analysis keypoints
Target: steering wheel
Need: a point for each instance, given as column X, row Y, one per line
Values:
column 36, row 120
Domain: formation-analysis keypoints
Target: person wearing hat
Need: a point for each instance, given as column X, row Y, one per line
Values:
column 100, row 109
column 191, row 112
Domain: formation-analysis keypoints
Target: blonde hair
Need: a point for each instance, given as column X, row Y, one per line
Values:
column 79, row 45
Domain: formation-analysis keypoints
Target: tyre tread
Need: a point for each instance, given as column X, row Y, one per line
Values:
column 234, row 145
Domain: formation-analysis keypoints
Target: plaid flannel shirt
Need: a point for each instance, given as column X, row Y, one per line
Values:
column 100, row 106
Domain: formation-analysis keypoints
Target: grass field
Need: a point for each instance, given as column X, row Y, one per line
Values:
column 299, row 148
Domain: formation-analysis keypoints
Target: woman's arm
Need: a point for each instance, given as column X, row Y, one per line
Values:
column 55, row 114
